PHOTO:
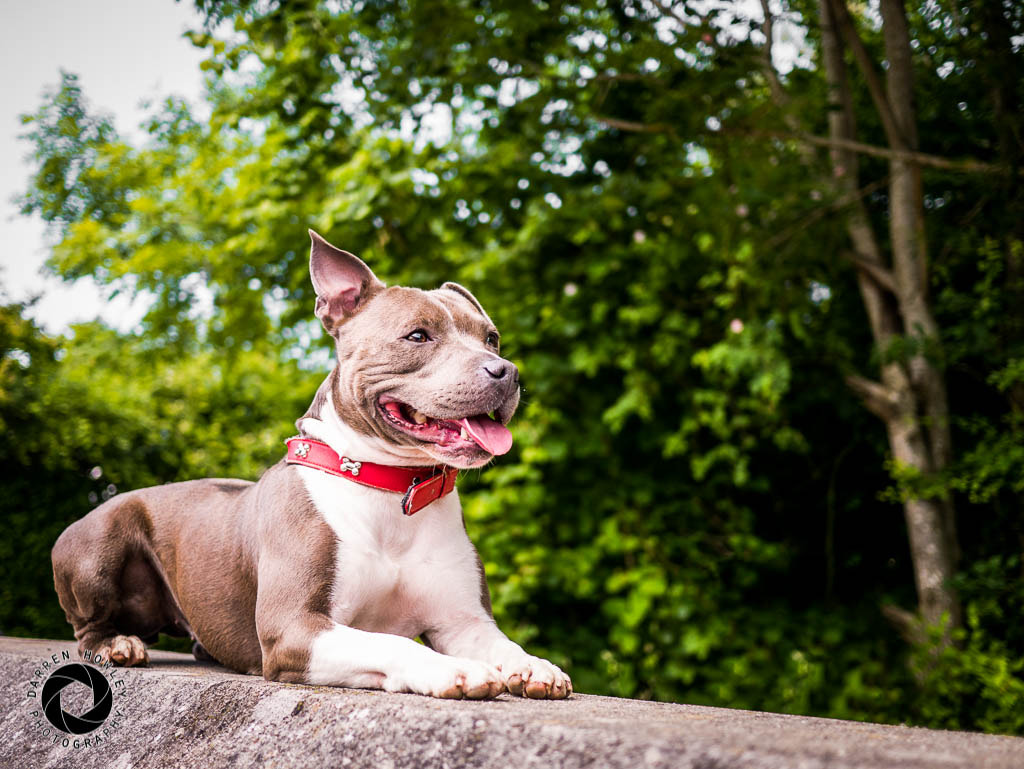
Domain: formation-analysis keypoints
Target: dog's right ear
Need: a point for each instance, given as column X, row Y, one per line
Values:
column 342, row 281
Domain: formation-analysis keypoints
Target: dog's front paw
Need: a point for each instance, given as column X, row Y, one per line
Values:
column 124, row 650
column 450, row 678
column 535, row 678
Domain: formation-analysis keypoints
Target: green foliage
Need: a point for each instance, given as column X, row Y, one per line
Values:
column 74, row 438
column 694, row 506
column 75, row 155
column 982, row 682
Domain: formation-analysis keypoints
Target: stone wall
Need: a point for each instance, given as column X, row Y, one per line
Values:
column 183, row 714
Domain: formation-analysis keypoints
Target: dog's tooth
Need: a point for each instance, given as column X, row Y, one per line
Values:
column 421, row 419
column 464, row 435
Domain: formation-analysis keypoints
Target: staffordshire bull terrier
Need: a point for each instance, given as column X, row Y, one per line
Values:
column 326, row 569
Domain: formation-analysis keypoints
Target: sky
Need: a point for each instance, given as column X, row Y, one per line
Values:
column 124, row 52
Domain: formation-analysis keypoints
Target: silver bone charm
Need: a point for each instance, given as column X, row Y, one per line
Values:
column 301, row 450
column 351, row 466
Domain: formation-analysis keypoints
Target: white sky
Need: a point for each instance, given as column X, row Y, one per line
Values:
column 124, row 52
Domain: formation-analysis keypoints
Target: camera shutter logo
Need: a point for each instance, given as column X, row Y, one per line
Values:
column 60, row 679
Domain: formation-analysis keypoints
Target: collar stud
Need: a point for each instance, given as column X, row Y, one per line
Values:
column 350, row 465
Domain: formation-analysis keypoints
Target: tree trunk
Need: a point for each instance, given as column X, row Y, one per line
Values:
column 911, row 396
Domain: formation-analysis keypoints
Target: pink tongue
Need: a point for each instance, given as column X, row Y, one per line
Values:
column 493, row 437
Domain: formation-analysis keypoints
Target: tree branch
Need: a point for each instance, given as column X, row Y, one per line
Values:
column 709, row 35
column 774, row 84
column 879, row 400
column 625, row 77
column 667, row 10
column 634, row 127
column 867, row 67
column 836, row 205
column 908, row 625
column 967, row 166
column 920, row 158
column 876, row 272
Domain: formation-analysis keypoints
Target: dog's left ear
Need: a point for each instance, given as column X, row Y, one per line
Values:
column 449, row 286
column 342, row 281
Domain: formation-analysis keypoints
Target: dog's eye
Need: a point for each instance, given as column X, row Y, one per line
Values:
column 492, row 339
column 419, row 335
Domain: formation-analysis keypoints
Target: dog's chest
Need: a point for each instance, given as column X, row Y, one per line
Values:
column 393, row 573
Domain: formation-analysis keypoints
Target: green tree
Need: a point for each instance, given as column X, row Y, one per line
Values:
column 88, row 416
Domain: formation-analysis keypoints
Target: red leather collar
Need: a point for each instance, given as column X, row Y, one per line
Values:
column 419, row 485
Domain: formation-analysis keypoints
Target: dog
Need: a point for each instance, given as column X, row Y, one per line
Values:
column 326, row 569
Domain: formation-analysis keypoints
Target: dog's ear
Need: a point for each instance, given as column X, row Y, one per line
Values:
column 342, row 282
column 463, row 291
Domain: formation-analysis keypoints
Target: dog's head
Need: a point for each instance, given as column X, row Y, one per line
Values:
column 418, row 369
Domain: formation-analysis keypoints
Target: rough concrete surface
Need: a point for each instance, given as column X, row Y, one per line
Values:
column 183, row 714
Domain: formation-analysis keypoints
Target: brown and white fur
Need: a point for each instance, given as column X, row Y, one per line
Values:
column 310, row 578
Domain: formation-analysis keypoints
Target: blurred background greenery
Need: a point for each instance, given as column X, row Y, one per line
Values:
column 698, row 507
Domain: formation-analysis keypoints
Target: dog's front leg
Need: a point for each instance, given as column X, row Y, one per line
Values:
column 302, row 644
column 321, row 652
column 344, row 656
column 480, row 638
column 336, row 655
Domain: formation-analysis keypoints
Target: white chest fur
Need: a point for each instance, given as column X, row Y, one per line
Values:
column 394, row 573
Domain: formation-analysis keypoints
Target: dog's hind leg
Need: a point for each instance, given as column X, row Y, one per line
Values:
column 107, row 584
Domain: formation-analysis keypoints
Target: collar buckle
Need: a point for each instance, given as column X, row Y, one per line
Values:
column 407, row 497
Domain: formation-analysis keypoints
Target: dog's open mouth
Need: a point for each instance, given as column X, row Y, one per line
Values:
column 481, row 430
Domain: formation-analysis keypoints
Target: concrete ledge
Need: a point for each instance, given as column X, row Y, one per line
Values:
column 180, row 713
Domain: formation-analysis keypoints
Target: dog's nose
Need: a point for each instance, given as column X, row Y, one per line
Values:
column 499, row 369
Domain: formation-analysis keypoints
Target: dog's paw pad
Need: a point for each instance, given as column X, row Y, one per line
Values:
column 124, row 650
